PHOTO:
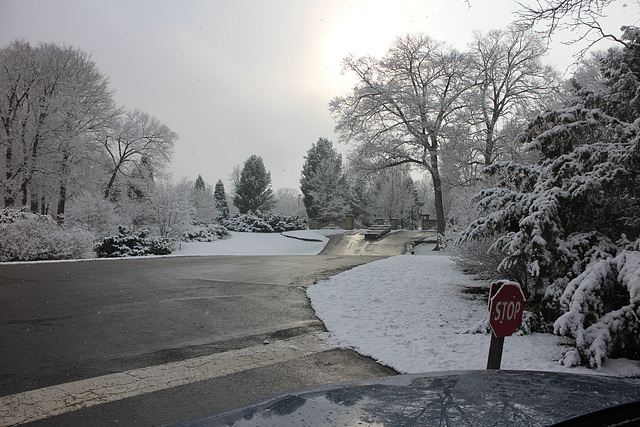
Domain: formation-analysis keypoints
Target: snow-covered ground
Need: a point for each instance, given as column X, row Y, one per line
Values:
column 409, row 312
column 303, row 242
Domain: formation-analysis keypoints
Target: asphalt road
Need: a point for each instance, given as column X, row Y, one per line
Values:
column 77, row 322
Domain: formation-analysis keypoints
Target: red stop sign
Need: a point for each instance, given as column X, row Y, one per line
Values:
column 505, row 307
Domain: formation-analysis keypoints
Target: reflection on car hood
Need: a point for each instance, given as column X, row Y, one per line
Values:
column 469, row 398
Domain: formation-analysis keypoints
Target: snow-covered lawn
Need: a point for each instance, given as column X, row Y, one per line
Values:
column 303, row 242
column 410, row 313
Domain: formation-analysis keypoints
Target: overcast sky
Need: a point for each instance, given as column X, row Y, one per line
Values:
column 242, row 77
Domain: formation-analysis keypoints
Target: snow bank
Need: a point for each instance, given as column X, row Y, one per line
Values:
column 409, row 313
column 303, row 242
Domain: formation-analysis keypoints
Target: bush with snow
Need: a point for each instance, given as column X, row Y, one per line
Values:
column 128, row 243
column 205, row 233
column 26, row 236
column 170, row 210
column 264, row 223
column 93, row 213
column 601, row 309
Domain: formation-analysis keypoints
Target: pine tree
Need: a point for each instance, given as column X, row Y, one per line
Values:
column 220, row 198
column 323, row 182
column 203, row 200
column 253, row 192
column 570, row 223
column 327, row 190
column 199, row 185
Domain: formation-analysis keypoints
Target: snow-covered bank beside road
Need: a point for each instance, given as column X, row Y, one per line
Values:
column 409, row 313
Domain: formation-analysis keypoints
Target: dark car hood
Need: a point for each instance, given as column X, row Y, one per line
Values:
column 467, row 398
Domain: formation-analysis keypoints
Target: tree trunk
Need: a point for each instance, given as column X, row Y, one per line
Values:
column 26, row 181
column 112, row 180
column 62, row 200
column 62, row 193
column 489, row 147
column 8, row 194
column 437, row 189
column 34, row 203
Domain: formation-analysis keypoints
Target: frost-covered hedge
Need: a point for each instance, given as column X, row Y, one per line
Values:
column 205, row 233
column 264, row 223
column 26, row 236
column 128, row 243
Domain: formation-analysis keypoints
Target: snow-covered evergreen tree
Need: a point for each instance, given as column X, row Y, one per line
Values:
column 570, row 224
column 253, row 192
column 199, row 184
column 203, row 201
column 140, row 181
column 220, row 198
column 327, row 190
column 323, row 182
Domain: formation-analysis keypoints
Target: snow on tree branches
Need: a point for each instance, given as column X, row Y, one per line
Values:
column 323, row 183
column 569, row 225
column 253, row 190
column 220, row 198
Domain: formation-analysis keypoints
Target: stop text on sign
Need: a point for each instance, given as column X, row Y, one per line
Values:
column 507, row 310
column 506, row 303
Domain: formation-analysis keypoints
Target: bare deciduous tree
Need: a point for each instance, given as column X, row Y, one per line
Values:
column 404, row 105
column 288, row 201
column 135, row 137
column 512, row 83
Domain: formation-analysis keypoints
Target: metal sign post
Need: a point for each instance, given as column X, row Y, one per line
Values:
column 495, row 352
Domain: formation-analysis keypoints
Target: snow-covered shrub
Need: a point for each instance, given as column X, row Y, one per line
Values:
column 602, row 309
column 128, row 243
column 93, row 213
column 170, row 209
column 205, row 233
column 264, row 223
column 479, row 257
column 26, row 236
column 133, row 212
column 281, row 223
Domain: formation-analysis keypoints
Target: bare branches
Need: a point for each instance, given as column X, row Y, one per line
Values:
column 405, row 106
column 134, row 138
column 556, row 14
column 511, row 80
column 581, row 17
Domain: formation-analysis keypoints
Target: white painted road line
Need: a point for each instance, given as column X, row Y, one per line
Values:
column 55, row 400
